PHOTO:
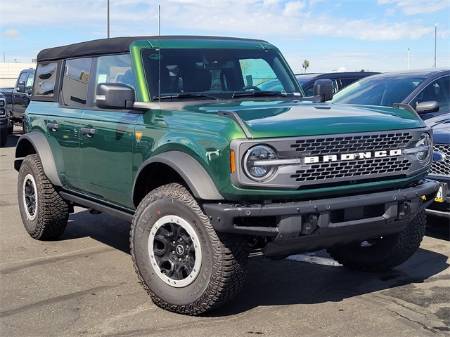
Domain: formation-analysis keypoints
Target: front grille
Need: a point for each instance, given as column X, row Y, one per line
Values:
column 337, row 160
column 441, row 167
column 328, row 145
column 355, row 168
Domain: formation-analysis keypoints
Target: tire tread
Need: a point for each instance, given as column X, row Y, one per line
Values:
column 230, row 257
column 405, row 245
column 53, row 211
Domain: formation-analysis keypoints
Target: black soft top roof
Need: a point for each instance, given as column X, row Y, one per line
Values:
column 111, row 46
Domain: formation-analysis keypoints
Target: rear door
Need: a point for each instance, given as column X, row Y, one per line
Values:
column 46, row 114
column 107, row 136
column 65, row 122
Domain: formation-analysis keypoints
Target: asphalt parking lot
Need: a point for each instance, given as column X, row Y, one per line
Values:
column 85, row 285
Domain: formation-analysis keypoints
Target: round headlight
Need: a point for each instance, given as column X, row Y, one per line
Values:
column 252, row 162
column 425, row 143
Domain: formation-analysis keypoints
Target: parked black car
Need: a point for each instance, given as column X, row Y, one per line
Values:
column 340, row 80
column 7, row 93
column 402, row 87
column 440, row 169
column 21, row 95
column 3, row 121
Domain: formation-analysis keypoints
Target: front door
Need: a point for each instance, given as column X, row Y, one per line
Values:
column 21, row 98
column 107, row 137
column 439, row 91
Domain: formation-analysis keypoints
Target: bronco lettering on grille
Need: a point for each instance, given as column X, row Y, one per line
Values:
column 352, row 156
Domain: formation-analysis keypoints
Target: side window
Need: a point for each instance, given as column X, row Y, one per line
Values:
column 75, row 81
column 256, row 71
column 346, row 82
column 309, row 91
column 45, row 80
column 115, row 69
column 336, row 85
column 438, row 90
column 22, row 78
column 30, row 81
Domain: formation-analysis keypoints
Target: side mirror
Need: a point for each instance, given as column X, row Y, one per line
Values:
column 20, row 87
column 114, row 96
column 428, row 106
column 324, row 89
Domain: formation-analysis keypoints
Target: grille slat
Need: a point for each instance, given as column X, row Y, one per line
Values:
column 330, row 145
column 353, row 169
column 441, row 167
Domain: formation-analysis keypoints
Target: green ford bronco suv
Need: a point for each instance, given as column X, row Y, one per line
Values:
column 175, row 135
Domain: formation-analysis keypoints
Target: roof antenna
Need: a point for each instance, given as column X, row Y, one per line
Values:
column 107, row 19
column 159, row 52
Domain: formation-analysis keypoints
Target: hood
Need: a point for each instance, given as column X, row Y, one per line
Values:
column 285, row 118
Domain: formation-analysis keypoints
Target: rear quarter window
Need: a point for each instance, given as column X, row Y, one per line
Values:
column 45, row 81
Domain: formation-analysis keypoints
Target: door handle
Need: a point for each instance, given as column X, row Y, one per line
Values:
column 52, row 126
column 89, row 132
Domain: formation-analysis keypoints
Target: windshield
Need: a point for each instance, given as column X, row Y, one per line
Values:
column 216, row 73
column 378, row 90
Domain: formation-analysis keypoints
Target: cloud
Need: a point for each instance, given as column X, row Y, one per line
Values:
column 293, row 8
column 414, row 7
column 248, row 18
column 11, row 33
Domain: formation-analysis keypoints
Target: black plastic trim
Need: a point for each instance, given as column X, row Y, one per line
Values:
column 234, row 116
column 198, row 180
column 42, row 148
column 84, row 202
column 223, row 215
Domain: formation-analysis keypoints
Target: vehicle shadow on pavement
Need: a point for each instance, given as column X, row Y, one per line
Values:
column 100, row 227
column 277, row 283
column 438, row 227
column 13, row 138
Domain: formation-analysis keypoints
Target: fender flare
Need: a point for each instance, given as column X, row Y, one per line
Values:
column 195, row 176
column 43, row 150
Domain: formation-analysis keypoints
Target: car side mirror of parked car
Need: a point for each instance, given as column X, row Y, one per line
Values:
column 20, row 87
column 323, row 88
column 114, row 96
column 426, row 107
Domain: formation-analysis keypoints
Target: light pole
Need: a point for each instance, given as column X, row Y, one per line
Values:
column 107, row 18
column 435, row 44
column 409, row 59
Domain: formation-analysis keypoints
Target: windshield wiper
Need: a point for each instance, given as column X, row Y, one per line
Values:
column 260, row 94
column 183, row 95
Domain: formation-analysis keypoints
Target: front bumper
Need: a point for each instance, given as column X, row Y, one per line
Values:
column 309, row 225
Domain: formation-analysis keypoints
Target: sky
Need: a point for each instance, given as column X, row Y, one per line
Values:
column 334, row 35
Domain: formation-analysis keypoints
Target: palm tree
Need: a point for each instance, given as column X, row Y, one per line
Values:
column 305, row 65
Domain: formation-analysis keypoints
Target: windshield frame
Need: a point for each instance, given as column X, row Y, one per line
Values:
column 297, row 91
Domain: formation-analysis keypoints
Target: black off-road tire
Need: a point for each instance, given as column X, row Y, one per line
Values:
column 386, row 253
column 52, row 212
column 224, row 257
